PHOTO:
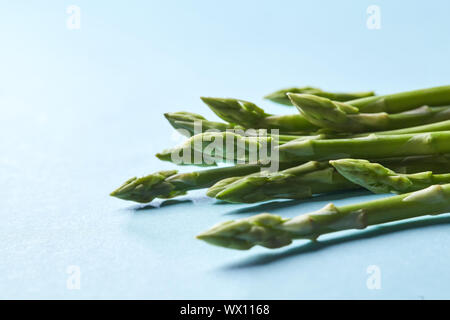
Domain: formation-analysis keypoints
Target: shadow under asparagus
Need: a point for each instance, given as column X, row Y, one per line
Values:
column 272, row 206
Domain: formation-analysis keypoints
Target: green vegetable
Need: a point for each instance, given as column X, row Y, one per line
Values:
column 342, row 117
column 403, row 101
column 312, row 178
column 294, row 183
column 436, row 163
column 169, row 184
column 244, row 114
column 281, row 97
column 249, row 115
column 211, row 147
column 379, row 179
column 187, row 120
column 370, row 147
column 272, row 231
column 304, row 149
column 433, row 127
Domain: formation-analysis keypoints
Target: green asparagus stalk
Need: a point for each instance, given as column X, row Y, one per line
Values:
column 415, row 164
column 369, row 147
column 327, row 134
column 281, row 97
column 192, row 124
column 343, row 117
column 249, row 115
column 433, row 127
column 209, row 148
column 306, row 180
column 379, row 179
column 272, row 231
column 170, row 184
column 187, row 122
column 299, row 182
column 404, row 101
column 330, row 134
column 305, row 149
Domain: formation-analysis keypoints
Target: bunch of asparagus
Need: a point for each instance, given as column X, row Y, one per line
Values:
column 337, row 141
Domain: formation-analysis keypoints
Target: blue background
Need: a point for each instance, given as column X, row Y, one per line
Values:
column 81, row 111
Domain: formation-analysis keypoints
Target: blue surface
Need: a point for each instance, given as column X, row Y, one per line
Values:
column 82, row 112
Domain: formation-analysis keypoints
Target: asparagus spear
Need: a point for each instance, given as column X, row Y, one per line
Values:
column 169, row 184
column 281, row 97
column 307, row 149
column 195, row 124
column 314, row 177
column 249, row 115
column 433, row 127
column 415, row 164
column 379, row 179
column 226, row 147
column 272, row 231
column 344, row 117
column 369, row 147
column 403, row 101
column 187, row 121
column 330, row 134
column 299, row 182
column 210, row 148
